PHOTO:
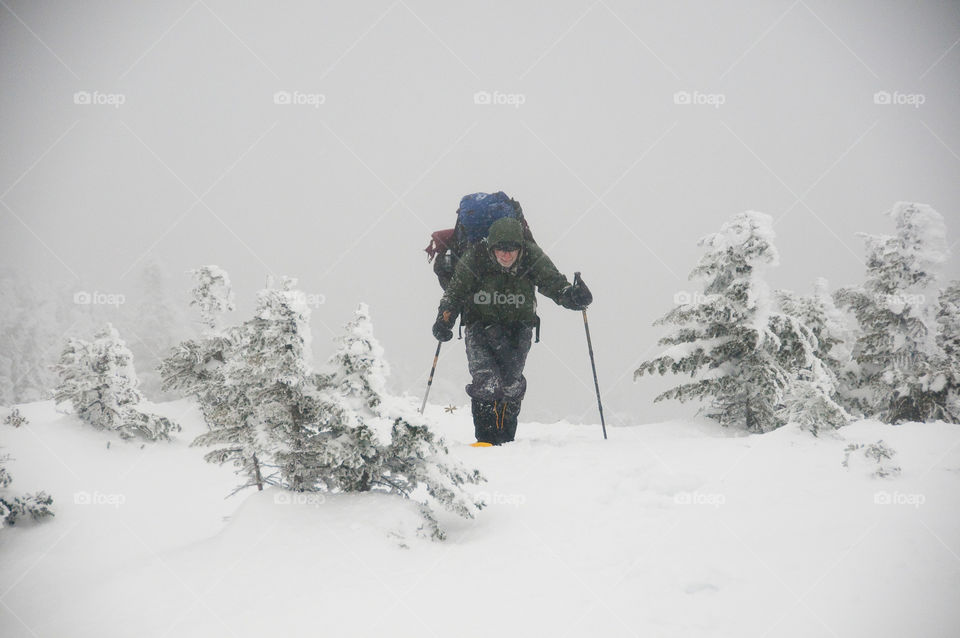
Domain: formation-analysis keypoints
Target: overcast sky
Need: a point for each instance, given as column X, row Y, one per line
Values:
column 327, row 140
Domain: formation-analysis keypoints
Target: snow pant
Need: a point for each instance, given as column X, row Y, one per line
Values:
column 496, row 355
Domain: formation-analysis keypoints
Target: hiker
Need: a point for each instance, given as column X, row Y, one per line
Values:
column 494, row 286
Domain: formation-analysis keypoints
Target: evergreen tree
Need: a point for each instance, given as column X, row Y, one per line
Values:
column 15, row 419
column 98, row 379
column 271, row 370
column 235, row 439
column 262, row 402
column 826, row 323
column 194, row 368
column 723, row 335
column 385, row 444
column 897, row 350
column 281, row 423
column 810, row 404
column 810, row 398
column 948, row 339
column 14, row 508
column 808, row 339
column 213, row 295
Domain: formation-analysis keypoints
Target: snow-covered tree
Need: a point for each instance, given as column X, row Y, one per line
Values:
column 810, row 398
column 98, row 380
column 826, row 322
column 948, row 339
column 810, row 350
column 14, row 507
column 280, row 417
column 879, row 453
column 948, row 321
column 194, row 367
column 213, row 294
column 385, row 445
column 723, row 337
column 262, row 402
column 281, row 423
column 15, row 419
column 897, row 349
column 810, row 404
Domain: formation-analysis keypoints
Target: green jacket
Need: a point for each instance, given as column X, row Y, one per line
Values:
column 486, row 292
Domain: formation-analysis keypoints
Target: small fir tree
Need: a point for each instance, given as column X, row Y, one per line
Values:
column 897, row 349
column 386, row 445
column 99, row 381
column 194, row 368
column 14, row 508
column 213, row 295
column 722, row 336
column 948, row 340
column 812, row 399
column 15, row 418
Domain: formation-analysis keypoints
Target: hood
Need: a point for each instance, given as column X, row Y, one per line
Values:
column 505, row 230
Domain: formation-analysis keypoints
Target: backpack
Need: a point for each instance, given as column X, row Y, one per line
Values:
column 475, row 215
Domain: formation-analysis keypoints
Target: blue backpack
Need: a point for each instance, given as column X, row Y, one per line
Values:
column 479, row 210
column 475, row 215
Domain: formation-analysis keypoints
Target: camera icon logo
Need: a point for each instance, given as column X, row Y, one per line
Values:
column 282, row 498
column 482, row 97
column 883, row 498
column 882, row 97
column 682, row 298
column 282, row 97
column 682, row 97
column 482, row 298
column 82, row 498
column 82, row 97
column 82, row 298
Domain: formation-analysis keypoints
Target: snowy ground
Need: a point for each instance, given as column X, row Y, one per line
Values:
column 669, row 529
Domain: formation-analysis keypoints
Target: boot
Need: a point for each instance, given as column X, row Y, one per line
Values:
column 509, row 412
column 485, row 422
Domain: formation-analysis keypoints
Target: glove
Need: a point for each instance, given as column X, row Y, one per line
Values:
column 576, row 296
column 443, row 326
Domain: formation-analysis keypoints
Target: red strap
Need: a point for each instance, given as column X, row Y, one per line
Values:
column 439, row 243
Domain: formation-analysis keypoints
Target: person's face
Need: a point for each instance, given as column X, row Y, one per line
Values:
column 506, row 257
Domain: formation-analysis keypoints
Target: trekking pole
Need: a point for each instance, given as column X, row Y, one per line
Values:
column 593, row 366
column 430, row 380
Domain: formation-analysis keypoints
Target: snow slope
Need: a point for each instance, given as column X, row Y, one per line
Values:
column 668, row 529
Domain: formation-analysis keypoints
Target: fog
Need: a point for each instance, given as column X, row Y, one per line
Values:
column 325, row 141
